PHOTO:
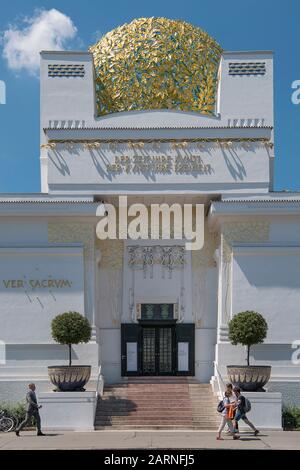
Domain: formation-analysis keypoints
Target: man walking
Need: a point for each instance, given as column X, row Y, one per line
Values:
column 241, row 411
column 32, row 411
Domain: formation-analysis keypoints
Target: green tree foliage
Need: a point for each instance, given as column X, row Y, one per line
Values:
column 70, row 328
column 247, row 328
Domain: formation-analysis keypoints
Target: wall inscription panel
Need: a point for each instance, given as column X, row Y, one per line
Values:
column 36, row 284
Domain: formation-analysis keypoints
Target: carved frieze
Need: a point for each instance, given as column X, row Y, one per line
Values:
column 145, row 257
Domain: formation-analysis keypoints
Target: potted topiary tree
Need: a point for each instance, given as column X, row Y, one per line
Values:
column 70, row 328
column 248, row 328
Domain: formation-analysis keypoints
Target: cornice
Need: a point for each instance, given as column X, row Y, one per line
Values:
column 151, row 128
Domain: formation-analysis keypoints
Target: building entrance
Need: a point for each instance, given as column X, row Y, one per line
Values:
column 157, row 347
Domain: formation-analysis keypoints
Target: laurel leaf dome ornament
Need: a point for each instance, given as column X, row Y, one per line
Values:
column 156, row 63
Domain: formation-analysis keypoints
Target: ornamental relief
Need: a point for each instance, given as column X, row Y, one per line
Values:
column 72, row 233
column 243, row 232
column 111, row 252
column 139, row 256
column 205, row 256
column 144, row 257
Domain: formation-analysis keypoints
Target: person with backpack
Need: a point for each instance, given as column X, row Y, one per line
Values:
column 233, row 399
column 226, row 408
column 243, row 407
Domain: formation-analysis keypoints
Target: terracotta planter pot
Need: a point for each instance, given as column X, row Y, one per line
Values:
column 69, row 378
column 249, row 378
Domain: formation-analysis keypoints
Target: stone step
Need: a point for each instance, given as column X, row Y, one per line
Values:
column 144, row 415
column 158, row 407
column 151, row 390
column 158, row 385
column 154, row 385
column 149, row 412
column 145, row 398
column 155, row 411
column 145, row 418
column 157, row 389
column 152, row 395
column 146, row 422
column 158, row 403
column 156, row 378
column 161, row 405
column 163, row 427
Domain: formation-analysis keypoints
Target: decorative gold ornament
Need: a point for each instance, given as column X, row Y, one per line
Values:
column 48, row 146
column 91, row 145
column 174, row 143
column 156, row 63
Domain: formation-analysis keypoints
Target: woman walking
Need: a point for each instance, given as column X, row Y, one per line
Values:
column 227, row 416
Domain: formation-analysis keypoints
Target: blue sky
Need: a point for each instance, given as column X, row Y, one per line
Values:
column 236, row 25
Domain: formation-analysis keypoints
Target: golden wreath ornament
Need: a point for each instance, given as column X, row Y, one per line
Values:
column 156, row 63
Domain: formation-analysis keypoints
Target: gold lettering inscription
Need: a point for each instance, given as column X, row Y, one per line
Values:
column 190, row 164
column 37, row 283
column 13, row 283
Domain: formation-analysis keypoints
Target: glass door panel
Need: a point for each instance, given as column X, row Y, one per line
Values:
column 148, row 351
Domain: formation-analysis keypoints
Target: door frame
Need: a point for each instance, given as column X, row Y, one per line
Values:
column 182, row 332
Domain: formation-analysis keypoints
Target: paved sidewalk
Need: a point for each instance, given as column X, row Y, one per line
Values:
column 148, row 440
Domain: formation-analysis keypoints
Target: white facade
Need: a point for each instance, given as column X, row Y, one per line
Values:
column 52, row 261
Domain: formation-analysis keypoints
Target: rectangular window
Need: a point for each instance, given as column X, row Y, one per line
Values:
column 157, row 312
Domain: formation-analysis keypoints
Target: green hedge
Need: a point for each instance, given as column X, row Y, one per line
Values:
column 16, row 410
column 291, row 417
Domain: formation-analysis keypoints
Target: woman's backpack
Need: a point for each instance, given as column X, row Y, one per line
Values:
column 220, row 406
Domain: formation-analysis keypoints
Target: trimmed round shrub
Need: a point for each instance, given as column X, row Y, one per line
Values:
column 247, row 328
column 70, row 328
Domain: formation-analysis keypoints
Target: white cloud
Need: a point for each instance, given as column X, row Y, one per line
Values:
column 46, row 30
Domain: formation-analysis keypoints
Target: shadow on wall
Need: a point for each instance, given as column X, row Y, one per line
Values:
column 38, row 352
column 271, row 271
column 234, row 163
column 100, row 160
column 59, row 162
column 272, row 353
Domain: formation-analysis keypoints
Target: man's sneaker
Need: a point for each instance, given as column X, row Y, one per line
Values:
column 17, row 433
column 41, row 434
column 236, row 437
column 256, row 432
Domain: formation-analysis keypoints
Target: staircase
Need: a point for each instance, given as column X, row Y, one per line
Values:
column 143, row 403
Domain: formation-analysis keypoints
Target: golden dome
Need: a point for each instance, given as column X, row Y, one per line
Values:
column 156, row 63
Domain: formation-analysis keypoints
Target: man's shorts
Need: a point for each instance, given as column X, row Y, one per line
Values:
column 239, row 415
